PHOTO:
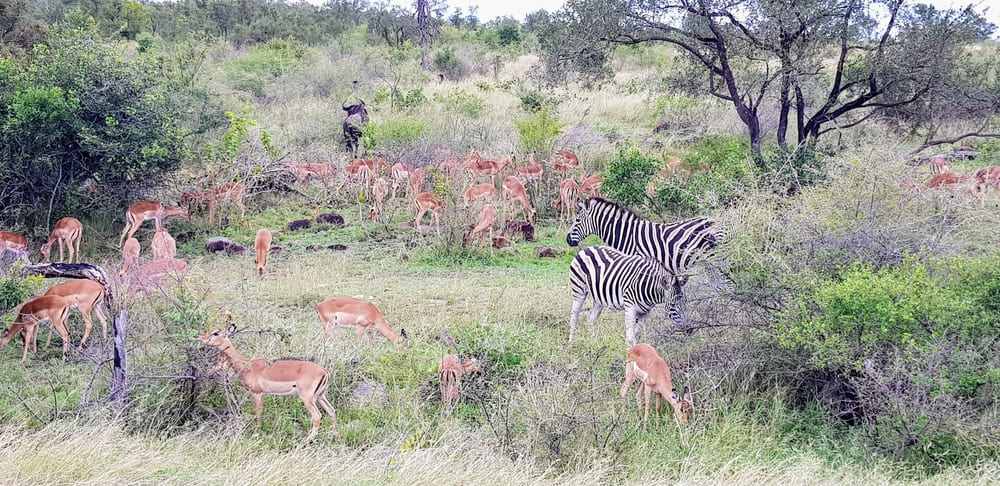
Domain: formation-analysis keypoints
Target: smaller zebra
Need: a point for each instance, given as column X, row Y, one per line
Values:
column 632, row 283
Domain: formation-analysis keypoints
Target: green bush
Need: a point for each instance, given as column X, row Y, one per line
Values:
column 15, row 290
column 538, row 132
column 788, row 171
column 532, row 101
column 265, row 63
column 718, row 168
column 399, row 130
column 411, row 99
column 461, row 102
column 448, row 62
column 627, row 177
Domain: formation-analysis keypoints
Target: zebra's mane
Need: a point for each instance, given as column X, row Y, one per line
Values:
column 607, row 202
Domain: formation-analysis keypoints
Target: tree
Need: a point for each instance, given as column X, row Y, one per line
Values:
column 747, row 49
column 427, row 26
column 19, row 30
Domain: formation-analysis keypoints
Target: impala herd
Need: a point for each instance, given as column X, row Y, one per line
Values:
column 377, row 180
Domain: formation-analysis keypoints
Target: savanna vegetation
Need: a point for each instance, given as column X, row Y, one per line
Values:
column 858, row 342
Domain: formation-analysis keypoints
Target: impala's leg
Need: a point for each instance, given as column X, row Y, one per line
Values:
column 29, row 337
column 658, row 403
column 309, row 400
column 574, row 315
column 88, row 325
column 258, row 407
column 62, row 257
column 645, row 417
column 63, row 333
column 420, row 215
column 79, row 238
column 629, row 379
column 323, row 402
column 361, row 334
column 595, row 313
column 104, row 320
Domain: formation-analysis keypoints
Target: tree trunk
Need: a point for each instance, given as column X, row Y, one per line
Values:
column 119, row 386
column 423, row 12
column 785, row 106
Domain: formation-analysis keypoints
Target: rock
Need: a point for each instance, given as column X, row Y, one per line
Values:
column 312, row 248
column 299, row 224
column 520, row 228
column 235, row 249
column 217, row 244
column 368, row 394
column 331, row 218
column 500, row 242
column 337, row 247
column 275, row 250
column 185, row 236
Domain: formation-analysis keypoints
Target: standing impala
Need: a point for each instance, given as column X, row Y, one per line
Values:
column 646, row 365
column 479, row 191
column 514, row 191
column 68, row 231
column 49, row 308
column 487, row 218
column 592, row 185
column 565, row 161
column 348, row 311
column 428, row 201
column 130, row 255
column 143, row 211
column 262, row 245
column 450, row 373
column 304, row 378
column 86, row 296
column 566, row 201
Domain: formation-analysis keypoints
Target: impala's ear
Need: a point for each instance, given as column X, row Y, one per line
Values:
column 673, row 395
column 231, row 329
column 402, row 332
column 686, row 395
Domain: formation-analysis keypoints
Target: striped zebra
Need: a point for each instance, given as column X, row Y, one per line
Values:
column 617, row 281
column 677, row 246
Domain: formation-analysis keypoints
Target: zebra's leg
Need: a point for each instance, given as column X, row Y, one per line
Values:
column 595, row 313
column 720, row 279
column 631, row 316
column 678, row 306
column 574, row 315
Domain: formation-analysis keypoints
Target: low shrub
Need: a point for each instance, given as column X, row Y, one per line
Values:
column 539, row 131
column 459, row 101
column 627, row 177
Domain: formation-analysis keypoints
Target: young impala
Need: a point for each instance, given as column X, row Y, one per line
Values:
column 428, row 201
column 68, row 231
column 450, row 373
column 939, row 165
column 304, row 378
column 163, row 245
column 86, row 296
column 348, row 311
column 49, row 308
column 262, row 245
column 380, row 190
column 646, row 365
column 513, row 191
column 143, row 211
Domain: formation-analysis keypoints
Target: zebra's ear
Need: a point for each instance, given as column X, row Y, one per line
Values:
column 581, row 204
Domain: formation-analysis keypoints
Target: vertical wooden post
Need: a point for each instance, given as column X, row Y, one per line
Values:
column 119, row 388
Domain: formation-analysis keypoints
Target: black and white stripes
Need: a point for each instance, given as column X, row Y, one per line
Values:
column 677, row 246
column 617, row 281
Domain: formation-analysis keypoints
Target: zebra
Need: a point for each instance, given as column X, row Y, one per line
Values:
column 632, row 283
column 676, row 246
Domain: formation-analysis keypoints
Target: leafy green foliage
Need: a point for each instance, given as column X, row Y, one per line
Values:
column 264, row 65
column 627, row 176
column 538, row 132
column 448, row 62
column 718, row 168
column 460, row 101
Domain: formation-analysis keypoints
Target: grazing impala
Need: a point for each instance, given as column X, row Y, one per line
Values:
column 427, row 201
column 306, row 171
column 49, row 308
column 479, row 191
column 400, row 173
column 86, row 296
column 299, row 377
column 348, row 311
column 262, row 245
column 164, row 245
column 532, row 171
column 130, row 255
column 565, row 161
column 513, row 191
column 568, row 189
column 417, row 180
column 231, row 192
column 939, row 165
column 487, row 218
column 986, row 177
column 646, row 365
column 450, row 373
column 143, row 211
column 68, row 231
column 592, row 185
column 13, row 241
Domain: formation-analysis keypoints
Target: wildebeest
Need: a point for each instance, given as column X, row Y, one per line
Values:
column 355, row 121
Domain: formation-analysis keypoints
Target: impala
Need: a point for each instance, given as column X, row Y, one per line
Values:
column 450, row 373
column 565, row 161
column 68, row 231
column 487, row 218
column 304, row 378
column 592, row 185
column 417, row 180
column 531, row 171
column 479, row 191
column 143, row 211
column 400, row 173
column 262, row 245
column 306, row 171
column 13, row 241
column 947, row 179
column 163, row 245
column 230, row 192
column 49, row 308
column 130, row 255
column 428, row 201
column 646, row 365
column 566, row 201
column 513, row 191
column 380, row 190
column 988, row 176
column 348, row 311
column 86, row 296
